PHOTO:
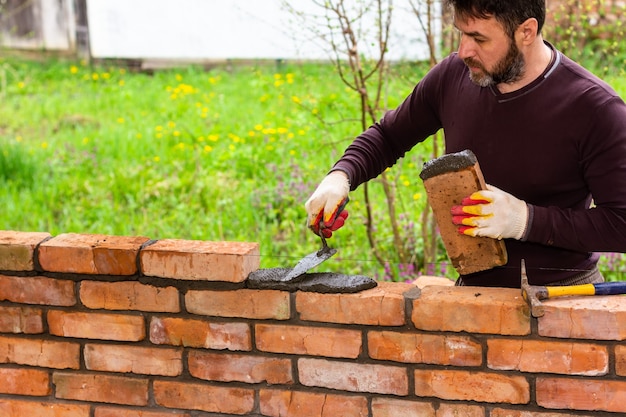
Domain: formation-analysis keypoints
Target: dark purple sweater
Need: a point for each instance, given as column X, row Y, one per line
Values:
column 556, row 144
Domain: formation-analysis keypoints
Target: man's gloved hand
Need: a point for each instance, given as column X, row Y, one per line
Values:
column 491, row 213
column 325, row 207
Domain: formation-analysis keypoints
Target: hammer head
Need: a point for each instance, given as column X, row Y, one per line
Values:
column 532, row 294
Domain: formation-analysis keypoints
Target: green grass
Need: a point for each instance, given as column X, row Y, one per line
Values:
column 193, row 154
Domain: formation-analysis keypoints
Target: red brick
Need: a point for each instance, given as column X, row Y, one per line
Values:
column 355, row 377
column 424, row 348
column 242, row 368
column 388, row 407
column 200, row 260
column 203, row 397
column 129, row 295
column 581, row 394
column 620, row 360
column 382, row 306
column 101, row 388
column 277, row 403
column 501, row 412
column 17, row 408
column 125, row 412
column 548, row 357
column 458, row 410
column 200, row 334
column 21, row 320
column 252, row 304
column 592, row 318
column 97, row 326
column 471, row 386
column 43, row 353
column 91, row 254
column 31, row 382
column 37, row 290
column 316, row 341
column 17, row 249
column 472, row 309
column 134, row 359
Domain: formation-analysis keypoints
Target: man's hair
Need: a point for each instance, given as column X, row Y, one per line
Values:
column 510, row 13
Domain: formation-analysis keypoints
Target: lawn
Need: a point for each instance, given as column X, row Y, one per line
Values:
column 191, row 153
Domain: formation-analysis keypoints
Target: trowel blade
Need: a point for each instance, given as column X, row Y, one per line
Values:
column 308, row 262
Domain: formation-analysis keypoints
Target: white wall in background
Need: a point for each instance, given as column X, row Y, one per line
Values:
column 223, row 29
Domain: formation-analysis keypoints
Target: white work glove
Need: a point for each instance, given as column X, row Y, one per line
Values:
column 491, row 213
column 325, row 207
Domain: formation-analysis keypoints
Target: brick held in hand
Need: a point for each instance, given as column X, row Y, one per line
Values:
column 447, row 180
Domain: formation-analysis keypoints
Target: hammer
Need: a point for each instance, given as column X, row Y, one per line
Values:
column 533, row 294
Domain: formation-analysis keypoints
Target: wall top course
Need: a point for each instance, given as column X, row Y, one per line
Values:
column 114, row 327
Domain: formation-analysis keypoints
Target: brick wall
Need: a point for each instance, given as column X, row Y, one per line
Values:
column 103, row 326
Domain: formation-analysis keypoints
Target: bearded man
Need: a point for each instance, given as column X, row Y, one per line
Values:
column 550, row 138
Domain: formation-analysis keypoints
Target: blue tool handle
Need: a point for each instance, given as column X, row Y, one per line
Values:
column 610, row 288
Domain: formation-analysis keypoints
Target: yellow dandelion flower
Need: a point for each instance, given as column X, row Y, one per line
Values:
column 171, row 124
column 301, row 132
column 290, row 135
column 315, row 111
column 95, row 76
column 213, row 138
column 231, row 147
column 208, row 148
column 282, row 130
column 156, row 158
column 85, row 140
column 200, row 139
column 73, row 69
column 278, row 76
column 180, row 146
column 296, row 99
column 179, row 77
column 121, row 83
column 278, row 83
column 120, row 120
column 292, row 152
column 139, row 136
column 158, row 135
column 18, row 138
column 258, row 127
column 106, row 75
column 44, row 145
column 21, row 84
column 251, row 133
column 406, row 183
column 158, row 128
column 417, row 196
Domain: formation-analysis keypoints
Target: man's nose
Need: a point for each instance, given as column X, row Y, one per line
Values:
column 466, row 49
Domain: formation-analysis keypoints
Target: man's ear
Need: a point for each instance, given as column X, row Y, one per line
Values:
column 527, row 31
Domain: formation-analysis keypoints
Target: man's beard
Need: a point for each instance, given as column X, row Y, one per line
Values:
column 507, row 70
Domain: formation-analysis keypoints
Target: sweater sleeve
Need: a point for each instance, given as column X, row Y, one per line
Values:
column 602, row 227
column 387, row 140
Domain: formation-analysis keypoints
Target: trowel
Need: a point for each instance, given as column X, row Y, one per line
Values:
column 314, row 259
column 310, row 261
